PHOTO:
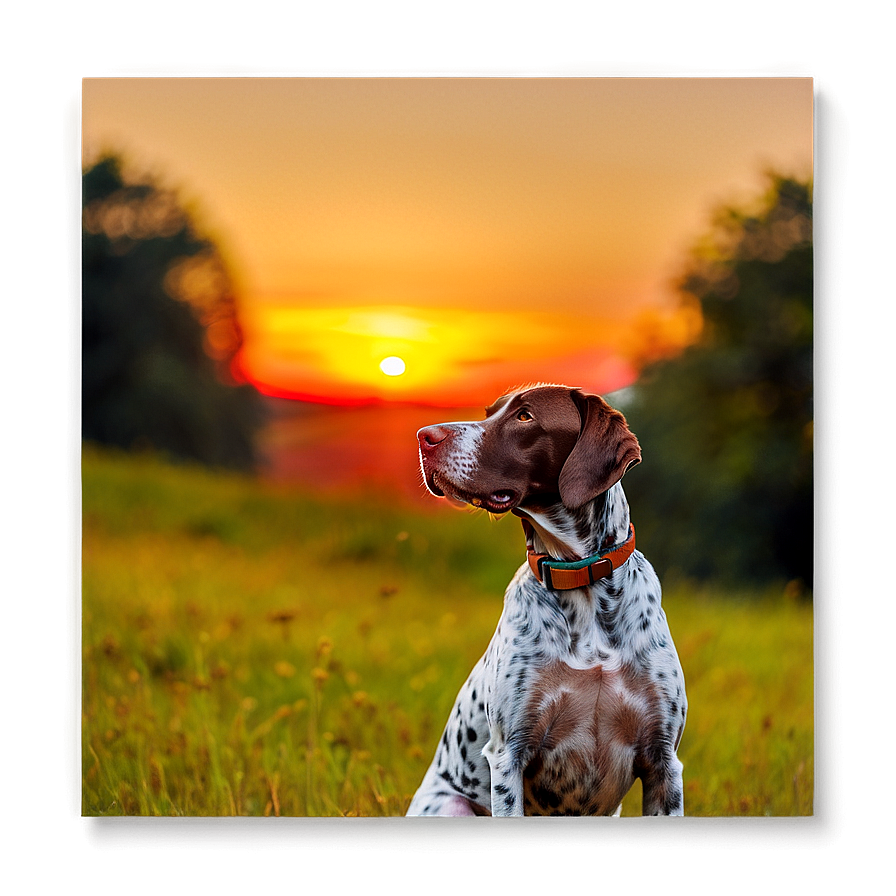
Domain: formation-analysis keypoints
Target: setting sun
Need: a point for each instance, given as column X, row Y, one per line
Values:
column 392, row 366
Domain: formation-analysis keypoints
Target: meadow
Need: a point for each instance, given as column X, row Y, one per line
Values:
column 250, row 649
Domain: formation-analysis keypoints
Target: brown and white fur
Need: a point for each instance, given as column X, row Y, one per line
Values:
column 580, row 692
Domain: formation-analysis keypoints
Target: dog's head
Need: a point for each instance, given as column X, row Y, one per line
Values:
column 535, row 446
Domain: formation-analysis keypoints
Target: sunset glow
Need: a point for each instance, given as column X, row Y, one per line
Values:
column 485, row 231
column 450, row 355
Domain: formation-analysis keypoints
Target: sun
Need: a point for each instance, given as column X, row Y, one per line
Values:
column 393, row 366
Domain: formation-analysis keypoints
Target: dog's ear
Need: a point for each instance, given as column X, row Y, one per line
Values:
column 605, row 450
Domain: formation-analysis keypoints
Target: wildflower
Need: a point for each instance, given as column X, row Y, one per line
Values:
column 220, row 671
column 284, row 669
column 282, row 617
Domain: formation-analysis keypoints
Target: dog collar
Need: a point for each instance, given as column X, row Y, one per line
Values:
column 559, row 575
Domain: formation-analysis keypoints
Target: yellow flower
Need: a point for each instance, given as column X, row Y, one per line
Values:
column 284, row 669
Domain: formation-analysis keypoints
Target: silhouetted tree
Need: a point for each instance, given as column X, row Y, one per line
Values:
column 726, row 488
column 159, row 328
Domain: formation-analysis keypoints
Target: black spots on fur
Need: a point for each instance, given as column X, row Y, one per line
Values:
column 510, row 802
column 460, row 737
column 481, row 706
column 471, row 734
column 501, row 789
column 545, row 797
column 463, row 751
column 473, row 695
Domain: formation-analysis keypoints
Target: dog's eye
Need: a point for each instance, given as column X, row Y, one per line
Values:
column 524, row 416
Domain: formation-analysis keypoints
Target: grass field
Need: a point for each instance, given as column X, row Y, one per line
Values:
column 249, row 650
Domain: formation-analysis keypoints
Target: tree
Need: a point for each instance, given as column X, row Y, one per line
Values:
column 159, row 328
column 725, row 491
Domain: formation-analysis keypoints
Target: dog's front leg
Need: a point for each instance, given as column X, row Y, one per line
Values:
column 507, row 777
column 663, row 788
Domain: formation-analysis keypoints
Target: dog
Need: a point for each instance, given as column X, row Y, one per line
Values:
column 580, row 690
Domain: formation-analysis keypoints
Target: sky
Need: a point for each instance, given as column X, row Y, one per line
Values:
column 479, row 232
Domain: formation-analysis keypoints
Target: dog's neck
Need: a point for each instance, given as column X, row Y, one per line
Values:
column 566, row 534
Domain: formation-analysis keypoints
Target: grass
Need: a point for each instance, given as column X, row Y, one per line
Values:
column 254, row 651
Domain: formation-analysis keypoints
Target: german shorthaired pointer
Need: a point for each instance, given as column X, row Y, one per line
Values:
column 580, row 690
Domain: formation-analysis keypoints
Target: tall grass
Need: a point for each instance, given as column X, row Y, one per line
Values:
column 254, row 651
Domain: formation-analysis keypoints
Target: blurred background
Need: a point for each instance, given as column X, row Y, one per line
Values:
column 285, row 238
column 284, row 278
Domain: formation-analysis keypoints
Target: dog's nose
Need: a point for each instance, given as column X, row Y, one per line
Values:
column 431, row 436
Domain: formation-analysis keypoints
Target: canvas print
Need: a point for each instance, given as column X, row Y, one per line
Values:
column 447, row 447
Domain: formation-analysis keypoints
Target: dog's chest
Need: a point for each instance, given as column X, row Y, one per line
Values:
column 584, row 730
column 582, row 707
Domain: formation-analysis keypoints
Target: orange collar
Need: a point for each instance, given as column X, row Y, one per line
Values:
column 559, row 575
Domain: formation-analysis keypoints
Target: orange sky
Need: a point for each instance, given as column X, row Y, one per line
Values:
column 487, row 231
